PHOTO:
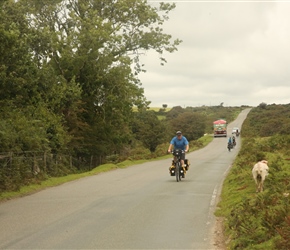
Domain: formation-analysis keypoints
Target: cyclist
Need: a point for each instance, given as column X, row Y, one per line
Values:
column 230, row 143
column 179, row 142
column 234, row 140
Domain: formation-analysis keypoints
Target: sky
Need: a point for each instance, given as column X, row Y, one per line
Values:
column 233, row 53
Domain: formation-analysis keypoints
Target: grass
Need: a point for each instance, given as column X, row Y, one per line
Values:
column 206, row 139
column 161, row 117
column 251, row 218
column 156, row 109
column 55, row 181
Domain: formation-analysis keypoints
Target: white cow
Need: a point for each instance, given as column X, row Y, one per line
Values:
column 260, row 171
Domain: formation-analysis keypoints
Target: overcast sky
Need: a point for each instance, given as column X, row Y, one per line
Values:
column 233, row 52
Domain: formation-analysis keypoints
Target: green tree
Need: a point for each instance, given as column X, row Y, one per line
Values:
column 174, row 112
column 263, row 105
column 149, row 130
column 29, row 93
column 96, row 43
column 17, row 71
column 191, row 124
column 31, row 129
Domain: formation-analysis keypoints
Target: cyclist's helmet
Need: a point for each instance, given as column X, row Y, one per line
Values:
column 178, row 133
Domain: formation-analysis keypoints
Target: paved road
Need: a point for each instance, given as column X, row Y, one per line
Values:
column 140, row 207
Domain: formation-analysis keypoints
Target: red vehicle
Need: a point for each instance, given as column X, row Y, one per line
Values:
column 220, row 128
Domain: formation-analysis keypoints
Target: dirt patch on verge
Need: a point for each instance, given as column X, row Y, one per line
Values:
column 219, row 239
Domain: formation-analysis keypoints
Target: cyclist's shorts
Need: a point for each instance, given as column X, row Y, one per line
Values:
column 182, row 157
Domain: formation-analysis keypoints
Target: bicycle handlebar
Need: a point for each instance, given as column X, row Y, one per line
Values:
column 178, row 150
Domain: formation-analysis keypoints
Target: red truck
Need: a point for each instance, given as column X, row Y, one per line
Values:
column 220, row 128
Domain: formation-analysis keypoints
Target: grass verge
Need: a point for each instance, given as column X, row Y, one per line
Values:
column 55, row 181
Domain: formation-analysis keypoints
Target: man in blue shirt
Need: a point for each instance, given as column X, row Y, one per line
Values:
column 179, row 142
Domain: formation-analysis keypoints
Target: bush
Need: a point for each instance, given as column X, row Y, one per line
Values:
column 257, row 221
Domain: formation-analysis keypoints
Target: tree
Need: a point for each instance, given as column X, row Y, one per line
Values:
column 17, row 71
column 149, row 130
column 95, row 44
column 191, row 124
column 33, row 98
column 263, row 105
column 174, row 112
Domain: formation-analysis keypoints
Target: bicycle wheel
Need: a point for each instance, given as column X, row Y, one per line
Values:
column 177, row 171
column 180, row 174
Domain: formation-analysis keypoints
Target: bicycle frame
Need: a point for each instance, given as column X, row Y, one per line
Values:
column 177, row 162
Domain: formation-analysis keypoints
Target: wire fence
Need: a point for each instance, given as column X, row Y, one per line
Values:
column 21, row 168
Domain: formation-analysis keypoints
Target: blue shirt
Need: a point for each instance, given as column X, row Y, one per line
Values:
column 179, row 144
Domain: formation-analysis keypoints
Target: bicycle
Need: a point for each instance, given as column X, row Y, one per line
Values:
column 178, row 171
column 230, row 146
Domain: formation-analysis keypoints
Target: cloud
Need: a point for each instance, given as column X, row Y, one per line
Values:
column 236, row 53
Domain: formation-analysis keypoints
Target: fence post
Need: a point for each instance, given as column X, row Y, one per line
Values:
column 36, row 169
column 44, row 160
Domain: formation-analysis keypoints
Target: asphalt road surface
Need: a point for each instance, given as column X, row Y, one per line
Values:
column 140, row 207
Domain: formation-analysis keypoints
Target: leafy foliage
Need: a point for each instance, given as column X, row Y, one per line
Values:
column 267, row 121
column 69, row 80
column 191, row 124
column 148, row 129
column 259, row 221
